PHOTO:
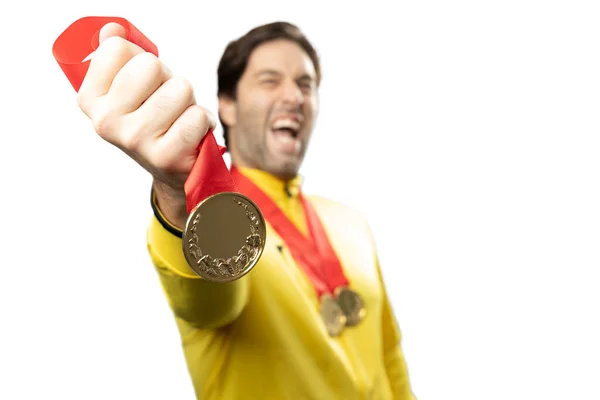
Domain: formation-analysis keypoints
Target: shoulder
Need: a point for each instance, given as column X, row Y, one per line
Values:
column 339, row 213
column 351, row 236
column 335, row 206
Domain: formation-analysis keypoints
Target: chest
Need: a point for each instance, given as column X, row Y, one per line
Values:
column 282, row 319
column 283, row 292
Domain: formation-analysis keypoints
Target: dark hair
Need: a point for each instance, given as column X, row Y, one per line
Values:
column 235, row 57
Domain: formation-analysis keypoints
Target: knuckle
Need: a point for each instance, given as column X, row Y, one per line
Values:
column 131, row 141
column 86, row 100
column 102, row 122
column 182, row 88
column 177, row 90
column 201, row 117
column 150, row 63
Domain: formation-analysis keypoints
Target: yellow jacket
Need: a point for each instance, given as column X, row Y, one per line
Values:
column 262, row 337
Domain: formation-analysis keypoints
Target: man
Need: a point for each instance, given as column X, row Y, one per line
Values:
column 261, row 336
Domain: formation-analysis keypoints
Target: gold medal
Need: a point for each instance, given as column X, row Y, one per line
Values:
column 351, row 304
column 332, row 315
column 224, row 237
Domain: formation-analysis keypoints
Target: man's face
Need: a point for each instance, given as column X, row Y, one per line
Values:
column 272, row 118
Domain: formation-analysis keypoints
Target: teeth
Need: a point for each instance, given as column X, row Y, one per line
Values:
column 286, row 124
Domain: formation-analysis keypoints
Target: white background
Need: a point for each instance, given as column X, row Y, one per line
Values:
column 466, row 131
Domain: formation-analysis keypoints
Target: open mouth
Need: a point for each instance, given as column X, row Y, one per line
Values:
column 286, row 133
column 286, row 127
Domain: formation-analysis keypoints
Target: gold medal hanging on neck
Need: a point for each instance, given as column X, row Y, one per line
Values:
column 332, row 314
column 351, row 304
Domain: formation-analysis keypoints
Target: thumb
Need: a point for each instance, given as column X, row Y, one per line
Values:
column 111, row 29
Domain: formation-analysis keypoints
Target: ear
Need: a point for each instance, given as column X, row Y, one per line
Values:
column 227, row 111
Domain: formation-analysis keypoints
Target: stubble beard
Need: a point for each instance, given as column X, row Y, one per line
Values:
column 254, row 152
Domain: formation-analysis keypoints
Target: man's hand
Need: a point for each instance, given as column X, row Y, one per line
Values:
column 135, row 103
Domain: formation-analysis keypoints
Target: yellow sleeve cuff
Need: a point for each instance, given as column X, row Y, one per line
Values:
column 164, row 244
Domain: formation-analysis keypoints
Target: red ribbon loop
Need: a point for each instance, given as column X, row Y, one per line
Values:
column 209, row 175
column 80, row 39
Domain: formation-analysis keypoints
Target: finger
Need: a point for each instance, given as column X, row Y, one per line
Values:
column 139, row 78
column 111, row 29
column 112, row 54
column 160, row 111
column 184, row 136
column 212, row 121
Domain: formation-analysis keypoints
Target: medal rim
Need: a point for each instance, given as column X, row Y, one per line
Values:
column 262, row 232
column 357, row 314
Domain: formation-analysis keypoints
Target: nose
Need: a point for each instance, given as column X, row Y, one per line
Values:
column 292, row 94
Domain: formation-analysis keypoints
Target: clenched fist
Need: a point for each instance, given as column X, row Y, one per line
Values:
column 135, row 103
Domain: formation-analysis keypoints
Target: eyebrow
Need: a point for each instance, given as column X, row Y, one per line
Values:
column 267, row 72
column 305, row 76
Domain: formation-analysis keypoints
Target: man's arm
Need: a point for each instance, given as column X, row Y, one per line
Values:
column 200, row 303
column 136, row 103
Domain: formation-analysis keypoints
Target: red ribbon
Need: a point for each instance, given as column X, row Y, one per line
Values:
column 81, row 38
column 209, row 173
column 314, row 254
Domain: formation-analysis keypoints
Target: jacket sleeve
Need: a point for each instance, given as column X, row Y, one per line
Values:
column 393, row 356
column 200, row 303
column 395, row 364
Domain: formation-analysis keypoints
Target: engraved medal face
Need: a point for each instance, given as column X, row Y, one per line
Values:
column 352, row 305
column 224, row 237
column 332, row 315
